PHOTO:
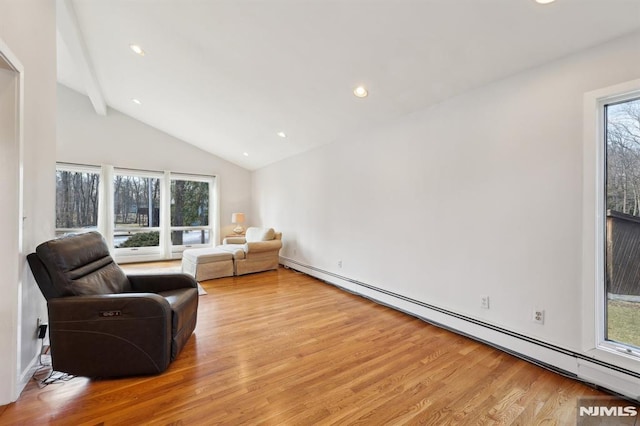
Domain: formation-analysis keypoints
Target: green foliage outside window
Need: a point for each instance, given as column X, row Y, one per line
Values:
column 143, row 239
column 189, row 206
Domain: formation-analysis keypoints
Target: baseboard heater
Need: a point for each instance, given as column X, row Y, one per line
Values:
column 597, row 373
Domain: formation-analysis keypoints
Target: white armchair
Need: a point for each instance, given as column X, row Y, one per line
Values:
column 257, row 251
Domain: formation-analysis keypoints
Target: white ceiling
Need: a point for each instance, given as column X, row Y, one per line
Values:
column 227, row 75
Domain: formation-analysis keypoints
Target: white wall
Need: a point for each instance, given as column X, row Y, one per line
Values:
column 478, row 195
column 117, row 139
column 27, row 27
column 9, row 215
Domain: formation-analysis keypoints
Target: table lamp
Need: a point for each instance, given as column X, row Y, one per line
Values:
column 238, row 219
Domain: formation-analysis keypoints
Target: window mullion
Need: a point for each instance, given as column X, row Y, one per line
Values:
column 105, row 205
column 165, row 215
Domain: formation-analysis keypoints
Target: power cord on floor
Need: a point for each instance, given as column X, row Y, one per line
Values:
column 44, row 353
column 45, row 374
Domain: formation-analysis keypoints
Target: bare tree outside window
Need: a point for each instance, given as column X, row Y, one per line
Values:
column 76, row 199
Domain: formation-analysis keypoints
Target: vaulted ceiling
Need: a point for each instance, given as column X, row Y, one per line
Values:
column 228, row 75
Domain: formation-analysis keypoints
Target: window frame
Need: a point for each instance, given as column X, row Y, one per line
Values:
column 594, row 298
column 154, row 251
column 176, row 250
column 106, row 219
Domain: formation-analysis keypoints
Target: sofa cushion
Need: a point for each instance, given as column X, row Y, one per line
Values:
column 236, row 250
column 206, row 255
column 259, row 234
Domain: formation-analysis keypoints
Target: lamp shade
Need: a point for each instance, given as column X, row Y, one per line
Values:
column 237, row 218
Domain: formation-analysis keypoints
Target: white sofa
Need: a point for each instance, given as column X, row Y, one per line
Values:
column 257, row 251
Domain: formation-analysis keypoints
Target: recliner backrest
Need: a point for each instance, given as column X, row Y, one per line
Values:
column 42, row 277
column 80, row 265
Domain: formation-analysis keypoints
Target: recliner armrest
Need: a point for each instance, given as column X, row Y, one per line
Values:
column 262, row 246
column 160, row 282
column 120, row 306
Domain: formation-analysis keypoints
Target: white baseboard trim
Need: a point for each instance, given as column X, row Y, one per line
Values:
column 561, row 360
column 27, row 374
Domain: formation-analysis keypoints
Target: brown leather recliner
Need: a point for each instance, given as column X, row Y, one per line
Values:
column 103, row 323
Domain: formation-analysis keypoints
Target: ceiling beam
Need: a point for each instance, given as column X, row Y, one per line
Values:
column 72, row 36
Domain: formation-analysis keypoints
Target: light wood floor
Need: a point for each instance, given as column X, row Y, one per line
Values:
column 282, row 348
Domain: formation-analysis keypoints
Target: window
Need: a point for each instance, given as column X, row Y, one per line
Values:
column 143, row 215
column 190, row 212
column 609, row 215
column 77, row 192
column 136, row 212
column 622, row 223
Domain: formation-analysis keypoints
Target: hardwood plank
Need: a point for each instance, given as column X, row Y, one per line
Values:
column 281, row 347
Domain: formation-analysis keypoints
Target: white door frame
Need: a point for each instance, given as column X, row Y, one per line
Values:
column 12, row 256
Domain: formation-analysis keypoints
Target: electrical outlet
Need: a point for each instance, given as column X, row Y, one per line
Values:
column 538, row 316
column 339, row 263
column 41, row 329
column 484, row 302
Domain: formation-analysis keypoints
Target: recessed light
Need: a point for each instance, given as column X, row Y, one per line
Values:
column 545, row 1
column 360, row 92
column 246, row 154
column 282, row 134
column 137, row 49
column 136, row 101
